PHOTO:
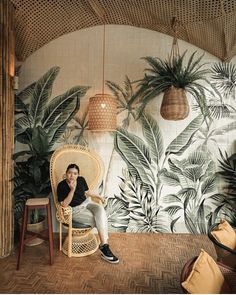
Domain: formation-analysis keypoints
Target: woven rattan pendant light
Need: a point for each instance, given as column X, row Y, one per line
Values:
column 174, row 104
column 102, row 106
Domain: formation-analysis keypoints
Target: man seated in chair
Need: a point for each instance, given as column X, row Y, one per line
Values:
column 73, row 191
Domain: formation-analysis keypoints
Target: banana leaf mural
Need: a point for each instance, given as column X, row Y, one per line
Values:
column 145, row 160
column 186, row 167
column 196, row 199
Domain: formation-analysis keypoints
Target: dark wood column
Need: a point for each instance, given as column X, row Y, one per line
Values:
column 7, row 62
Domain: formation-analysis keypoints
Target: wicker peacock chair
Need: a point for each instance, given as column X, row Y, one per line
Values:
column 80, row 240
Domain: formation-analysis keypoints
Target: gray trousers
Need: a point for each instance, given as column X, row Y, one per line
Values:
column 93, row 214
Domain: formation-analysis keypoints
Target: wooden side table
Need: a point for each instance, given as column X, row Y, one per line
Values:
column 33, row 204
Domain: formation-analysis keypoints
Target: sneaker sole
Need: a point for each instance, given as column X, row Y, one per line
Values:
column 110, row 261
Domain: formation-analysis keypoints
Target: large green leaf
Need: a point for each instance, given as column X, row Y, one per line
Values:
column 58, row 127
column 42, row 93
column 20, row 106
column 117, row 215
column 153, row 136
column 193, row 173
column 25, row 137
column 192, row 228
column 25, row 94
column 40, row 141
column 136, row 146
column 172, row 198
column 209, row 185
column 198, row 157
column 183, row 140
column 172, row 210
column 225, row 129
column 169, row 178
column 201, row 219
column 21, row 124
column 59, row 105
column 135, row 167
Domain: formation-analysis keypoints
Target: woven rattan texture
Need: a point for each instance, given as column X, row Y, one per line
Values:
column 102, row 113
column 81, row 245
column 209, row 24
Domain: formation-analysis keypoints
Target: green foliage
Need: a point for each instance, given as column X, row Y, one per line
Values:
column 124, row 97
column 145, row 161
column 228, row 172
column 161, row 75
column 196, row 199
column 38, row 126
column 224, row 75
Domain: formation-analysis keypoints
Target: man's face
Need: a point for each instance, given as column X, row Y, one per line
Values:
column 72, row 174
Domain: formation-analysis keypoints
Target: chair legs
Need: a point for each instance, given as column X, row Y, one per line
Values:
column 60, row 237
column 50, row 233
column 22, row 236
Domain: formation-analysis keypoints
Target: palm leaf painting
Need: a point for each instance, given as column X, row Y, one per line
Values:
column 147, row 162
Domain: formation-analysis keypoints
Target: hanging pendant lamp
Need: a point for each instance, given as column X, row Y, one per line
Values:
column 102, row 107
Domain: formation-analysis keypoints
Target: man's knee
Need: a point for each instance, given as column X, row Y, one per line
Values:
column 95, row 208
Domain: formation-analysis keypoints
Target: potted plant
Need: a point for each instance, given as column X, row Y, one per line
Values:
column 40, row 122
column 174, row 78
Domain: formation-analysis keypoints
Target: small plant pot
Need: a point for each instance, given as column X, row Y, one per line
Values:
column 174, row 104
column 36, row 228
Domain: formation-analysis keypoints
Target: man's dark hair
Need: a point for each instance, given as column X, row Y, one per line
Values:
column 72, row 166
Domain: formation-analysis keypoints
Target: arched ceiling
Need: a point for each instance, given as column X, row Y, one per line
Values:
column 208, row 24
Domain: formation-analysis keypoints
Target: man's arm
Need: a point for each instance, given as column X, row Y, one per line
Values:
column 88, row 193
column 68, row 199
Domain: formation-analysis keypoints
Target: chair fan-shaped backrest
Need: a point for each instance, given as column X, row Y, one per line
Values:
column 90, row 164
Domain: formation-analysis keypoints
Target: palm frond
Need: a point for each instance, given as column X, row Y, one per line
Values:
column 27, row 92
column 59, row 105
column 41, row 94
column 136, row 155
column 153, row 135
column 183, row 140
column 224, row 75
column 58, row 127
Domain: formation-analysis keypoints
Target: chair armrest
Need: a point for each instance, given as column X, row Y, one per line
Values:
column 64, row 214
column 98, row 200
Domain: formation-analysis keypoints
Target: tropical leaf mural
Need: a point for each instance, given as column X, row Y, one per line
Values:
column 193, row 177
column 196, row 198
column 183, row 186
column 175, row 187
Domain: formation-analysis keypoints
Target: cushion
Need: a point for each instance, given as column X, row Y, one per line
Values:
column 205, row 277
column 225, row 234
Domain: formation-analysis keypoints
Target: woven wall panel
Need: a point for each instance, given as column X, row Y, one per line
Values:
column 7, row 63
column 40, row 21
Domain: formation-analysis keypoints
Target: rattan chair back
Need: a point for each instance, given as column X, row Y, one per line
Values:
column 89, row 162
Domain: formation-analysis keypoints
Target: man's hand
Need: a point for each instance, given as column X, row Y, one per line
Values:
column 72, row 185
column 102, row 199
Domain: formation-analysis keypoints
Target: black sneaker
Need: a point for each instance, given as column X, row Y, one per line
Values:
column 107, row 254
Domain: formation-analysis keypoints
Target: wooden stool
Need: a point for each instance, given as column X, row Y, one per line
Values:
column 32, row 204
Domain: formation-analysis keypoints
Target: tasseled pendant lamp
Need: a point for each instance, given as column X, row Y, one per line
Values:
column 102, row 107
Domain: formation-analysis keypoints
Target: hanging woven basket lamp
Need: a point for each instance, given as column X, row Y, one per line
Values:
column 102, row 111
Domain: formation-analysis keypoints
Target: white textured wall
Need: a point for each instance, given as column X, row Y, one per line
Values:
column 79, row 55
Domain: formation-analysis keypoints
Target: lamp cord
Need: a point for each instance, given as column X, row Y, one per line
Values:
column 103, row 57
